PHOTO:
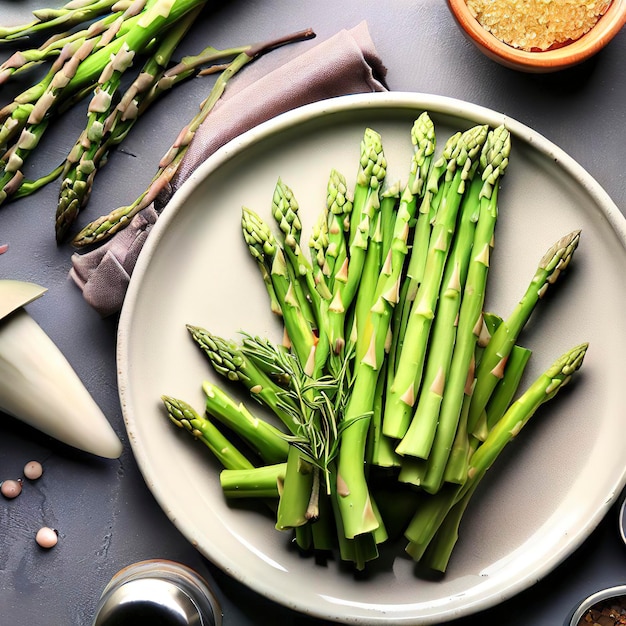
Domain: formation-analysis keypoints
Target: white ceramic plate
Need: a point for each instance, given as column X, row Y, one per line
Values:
column 550, row 488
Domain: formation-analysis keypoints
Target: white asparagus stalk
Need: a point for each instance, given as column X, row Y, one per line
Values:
column 39, row 386
column 16, row 293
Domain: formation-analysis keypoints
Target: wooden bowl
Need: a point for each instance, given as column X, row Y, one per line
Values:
column 541, row 61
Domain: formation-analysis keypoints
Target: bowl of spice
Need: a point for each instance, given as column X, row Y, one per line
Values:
column 603, row 608
column 540, row 35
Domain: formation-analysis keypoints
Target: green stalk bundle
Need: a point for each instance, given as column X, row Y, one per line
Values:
column 94, row 46
column 394, row 391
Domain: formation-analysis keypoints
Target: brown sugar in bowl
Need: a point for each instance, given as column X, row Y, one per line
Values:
column 551, row 60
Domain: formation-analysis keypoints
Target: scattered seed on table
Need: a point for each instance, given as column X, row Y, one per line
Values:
column 33, row 470
column 11, row 488
column 46, row 537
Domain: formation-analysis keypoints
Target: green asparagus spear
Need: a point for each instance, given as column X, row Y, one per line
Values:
column 269, row 442
column 266, row 250
column 318, row 247
column 380, row 450
column 295, row 506
column 105, row 128
column 230, row 361
column 24, row 60
column 339, row 207
column 81, row 69
column 423, row 139
column 329, row 250
column 366, row 204
column 437, row 553
column 184, row 416
column 494, row 358
column 507, row 386
column 72, row 188
column 354, row 501
column 359, row 550
column 389, row 204
column 396, row 227
column 464, row 444
column 426, row 522
column 409, row 369
column 425, row 420
column 545, row 387
column 285, row 210
column 55, row 20
column 494, row 159
column 366, row 294
column 370, row 176
column 106, row 225
column 428, row 198
column 257, row 482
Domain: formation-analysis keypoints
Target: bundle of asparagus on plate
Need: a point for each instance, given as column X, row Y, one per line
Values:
column 392, row 379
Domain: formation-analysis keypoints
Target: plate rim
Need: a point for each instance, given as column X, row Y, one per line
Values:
column 442, row 105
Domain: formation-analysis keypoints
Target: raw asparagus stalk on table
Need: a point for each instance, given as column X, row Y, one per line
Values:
column 92, row 45
column 71, row 14
column 106, row 225
column 390, row 298
column 109, row 121
column 75, row 70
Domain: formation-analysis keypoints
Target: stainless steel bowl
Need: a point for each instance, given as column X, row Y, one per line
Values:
column 592, row 600
column 157, row 592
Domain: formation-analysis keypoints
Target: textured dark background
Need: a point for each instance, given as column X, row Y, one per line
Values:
column 106, row 516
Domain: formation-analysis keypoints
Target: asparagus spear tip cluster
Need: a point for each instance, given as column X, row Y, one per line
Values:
column 392, row 377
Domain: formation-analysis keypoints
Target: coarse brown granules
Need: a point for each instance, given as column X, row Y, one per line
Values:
column 611, row 612
column 537, row 24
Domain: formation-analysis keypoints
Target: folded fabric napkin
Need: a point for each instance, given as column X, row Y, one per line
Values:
column 289, row 77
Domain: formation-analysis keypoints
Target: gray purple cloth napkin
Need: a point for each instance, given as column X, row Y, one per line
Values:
column 289, row 77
